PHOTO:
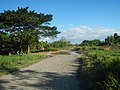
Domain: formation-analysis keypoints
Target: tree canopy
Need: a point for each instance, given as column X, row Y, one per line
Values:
column 21, row 28
column 110, row 40
column 95, row 42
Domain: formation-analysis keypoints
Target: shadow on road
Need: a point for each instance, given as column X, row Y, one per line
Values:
column 30, row 79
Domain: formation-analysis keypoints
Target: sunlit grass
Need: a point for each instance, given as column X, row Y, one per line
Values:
column 102, row 68
column 102, row 52
column 12, row 63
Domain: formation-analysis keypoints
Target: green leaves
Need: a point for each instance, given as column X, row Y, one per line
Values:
column 115, row 39
column 24, row 27
column 102, row 68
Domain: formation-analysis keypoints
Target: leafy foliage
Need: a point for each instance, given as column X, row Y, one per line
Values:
column 23, row 28
column 110, row 40
column 63, row 43
column 91, row 42
column 102, row 68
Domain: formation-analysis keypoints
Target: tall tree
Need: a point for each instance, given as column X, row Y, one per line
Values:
column 4, row 43
column 24, row 27
column 110, row 40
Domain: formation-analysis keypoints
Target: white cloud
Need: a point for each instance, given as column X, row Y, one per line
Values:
column 65, row 25
column 61, row 26
column 70, row 25
column 45, row 39
column 78, row 34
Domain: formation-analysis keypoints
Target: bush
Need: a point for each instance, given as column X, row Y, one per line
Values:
column 102, row 69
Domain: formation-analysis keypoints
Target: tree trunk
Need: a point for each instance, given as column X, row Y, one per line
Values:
column 28, row 49
column 9, row 54
column 21, row 51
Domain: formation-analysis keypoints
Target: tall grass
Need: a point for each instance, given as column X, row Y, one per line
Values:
column 101, row 70
column 12, row 63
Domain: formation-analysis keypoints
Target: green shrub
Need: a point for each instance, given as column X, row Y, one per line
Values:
column 103, row 71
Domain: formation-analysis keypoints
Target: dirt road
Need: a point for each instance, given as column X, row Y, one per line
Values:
column 55, row 73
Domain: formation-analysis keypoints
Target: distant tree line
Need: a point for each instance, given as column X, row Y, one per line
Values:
column 22, row 28
column 110, row 40
column 63, row 42
column 46, row 46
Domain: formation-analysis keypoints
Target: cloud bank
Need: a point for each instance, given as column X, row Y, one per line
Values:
column 78, row 34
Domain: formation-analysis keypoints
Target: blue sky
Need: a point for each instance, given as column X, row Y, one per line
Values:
column 75, row 15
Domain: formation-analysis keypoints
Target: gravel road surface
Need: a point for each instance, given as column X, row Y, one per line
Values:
column 55, row 73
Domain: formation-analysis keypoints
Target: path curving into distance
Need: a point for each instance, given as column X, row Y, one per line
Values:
column 56, row 73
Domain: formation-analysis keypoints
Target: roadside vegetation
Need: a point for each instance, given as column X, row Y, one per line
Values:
column 9, row 64
column 62, row 44
column 20, row 32
column 22, row 29
column 100, row 70
column 100, row 66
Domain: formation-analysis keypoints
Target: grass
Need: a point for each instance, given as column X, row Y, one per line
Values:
column 13, row 63
column 102, row 68
column 102, row 52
